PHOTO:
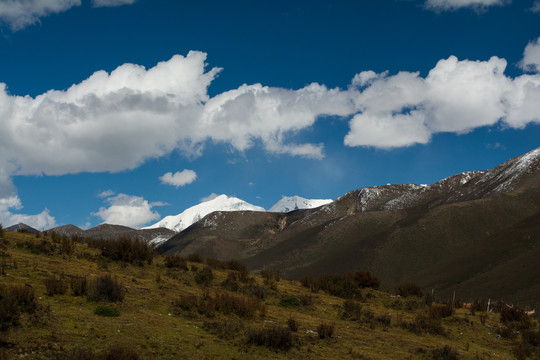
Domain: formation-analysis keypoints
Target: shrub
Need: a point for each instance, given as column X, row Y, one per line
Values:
column 366, row 280
column 133, row 251
column 186, row 303
column 515, row 315
column 440, row 311
column 531, row 337
column 175, row 261
column 325, row 330
column 194, row 258
column 444, row 353
column 107, row 311
column 384, row 320
column 105, row 288
column 78, row 285
column 292, row 323
column 275, row 337
column 120, row 352
column 423, row 324
column 254, row 290
column 1, row 231
column 289, row 301
column 231, row 283
column 204, row 276
column 242, row 307
column 55, row 286
column 306, row 300
column 409, row 289
column 351, row 310
column 67, row 245
column 13, row 301
column 225, row 329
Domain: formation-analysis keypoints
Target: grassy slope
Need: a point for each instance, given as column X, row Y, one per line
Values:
column 148, row 324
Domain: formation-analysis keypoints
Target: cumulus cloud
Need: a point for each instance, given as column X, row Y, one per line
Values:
column 106, row 194
column 531, row 56
column 41, row 221
column 536, row 6
column 128, row 210
column 456, row 96
column 179, row 178
column 450, row 5
column 111, row 3
column 19, row 14
column 115, row 121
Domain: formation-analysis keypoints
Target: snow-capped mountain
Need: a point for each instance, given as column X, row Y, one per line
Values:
column 291, row 203
column 195, row 213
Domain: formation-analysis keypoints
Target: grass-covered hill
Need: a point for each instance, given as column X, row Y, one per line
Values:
column 61, row 298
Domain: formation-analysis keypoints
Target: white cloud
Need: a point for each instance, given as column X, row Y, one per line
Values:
column 128, row 210
column 536, row 6
column 106, row 194
column 112, row 122
column 212, row 196
column 531, row 56
column 179, row 178
column 110, row 3
column 41, row 221
column 19, row 14
column 450, row 5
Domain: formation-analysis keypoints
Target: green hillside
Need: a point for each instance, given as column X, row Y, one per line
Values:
column 147, row 306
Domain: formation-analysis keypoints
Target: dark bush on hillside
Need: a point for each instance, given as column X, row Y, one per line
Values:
column 275, row 337
column 292, row 323
column 423, row 324
column 479, row 305
column 231, row 282
column 240, row 306
column 325, row 330
column 78, row 285
column 67, row 245
column 114, row 352
column 509, row 315
column 204, row 276
column 120, row 352
column 351, row 310
column 107, row 311
column 254, row 290
column 176, row 261
column 346, row 286
column 289, row 301
column 185, row 303
column 384, row 320
column 531, row 337
column 55, row 286
column 133, row 251
column 224, row 329
column 409, row 289
column 366, row 280
column 440, row 311
column 1, row 231
column 15, row 300
column 105, row 288
column 444, row 353
column 194, row 258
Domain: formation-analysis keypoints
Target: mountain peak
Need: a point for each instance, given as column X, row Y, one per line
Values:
column 291, row 203
column 195, row 213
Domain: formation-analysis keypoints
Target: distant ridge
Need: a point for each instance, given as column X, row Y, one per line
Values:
column 420, row 233
column 22, row 227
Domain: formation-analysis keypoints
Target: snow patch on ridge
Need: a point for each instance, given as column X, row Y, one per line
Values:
column 291, row 203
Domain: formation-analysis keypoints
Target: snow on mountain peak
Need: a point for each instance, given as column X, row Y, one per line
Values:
column 291, row 203
column 195, row 213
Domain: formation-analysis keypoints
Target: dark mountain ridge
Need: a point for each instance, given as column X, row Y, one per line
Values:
column 399, row 232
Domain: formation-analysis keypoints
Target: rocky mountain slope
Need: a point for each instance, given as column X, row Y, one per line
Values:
column 398, row 232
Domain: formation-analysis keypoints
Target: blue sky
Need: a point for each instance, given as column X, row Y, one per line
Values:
column 126, row 111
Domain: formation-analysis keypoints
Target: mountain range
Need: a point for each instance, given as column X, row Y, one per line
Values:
column 477, row 233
